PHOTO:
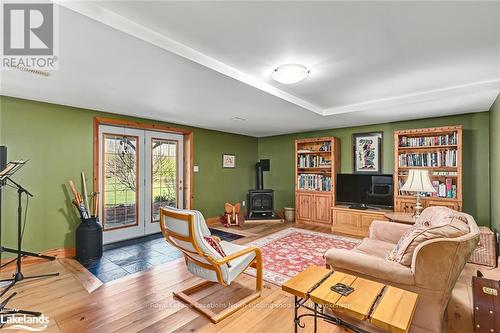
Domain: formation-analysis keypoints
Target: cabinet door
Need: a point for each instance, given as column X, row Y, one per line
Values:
column 304, row 206
column 346, row 220
column 322, row 208
column 405, row 206
column 450, row 204
column 367, row 219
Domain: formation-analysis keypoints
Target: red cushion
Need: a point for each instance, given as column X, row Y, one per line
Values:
column 214, row 242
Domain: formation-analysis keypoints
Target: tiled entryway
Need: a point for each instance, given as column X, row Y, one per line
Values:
column 136, row 255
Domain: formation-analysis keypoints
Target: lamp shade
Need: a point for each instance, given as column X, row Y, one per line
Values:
column 418, row 181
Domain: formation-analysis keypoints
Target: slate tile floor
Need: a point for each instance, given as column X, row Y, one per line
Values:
column 135, row 255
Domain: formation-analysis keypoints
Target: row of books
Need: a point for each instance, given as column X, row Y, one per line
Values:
column 443, row 190
column 429, row 141
column 314, row 182
column 446, row 158
column 434, row 173
column 313, row 161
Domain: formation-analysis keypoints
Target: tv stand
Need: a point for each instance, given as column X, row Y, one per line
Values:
column 354, row 221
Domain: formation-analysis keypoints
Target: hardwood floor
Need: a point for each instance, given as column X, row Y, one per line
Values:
column 143, row 302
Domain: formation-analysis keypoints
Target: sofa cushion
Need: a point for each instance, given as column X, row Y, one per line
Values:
column 434, row 222
column 374, row 247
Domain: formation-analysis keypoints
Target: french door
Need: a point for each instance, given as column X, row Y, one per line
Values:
column 139, row 172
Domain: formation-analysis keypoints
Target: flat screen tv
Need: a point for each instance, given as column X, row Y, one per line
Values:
column 364, row 191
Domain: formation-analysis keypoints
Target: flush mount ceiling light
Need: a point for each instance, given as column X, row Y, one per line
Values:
column 290, row 73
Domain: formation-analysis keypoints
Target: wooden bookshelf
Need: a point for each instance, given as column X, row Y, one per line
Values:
column 317, row 162
column 415, row 146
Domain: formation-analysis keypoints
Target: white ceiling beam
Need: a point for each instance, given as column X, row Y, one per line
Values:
column 420, row 97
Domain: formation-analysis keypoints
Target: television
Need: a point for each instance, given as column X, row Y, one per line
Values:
column 362, row 191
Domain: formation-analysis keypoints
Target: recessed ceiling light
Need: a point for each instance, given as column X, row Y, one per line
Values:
column 290, row 73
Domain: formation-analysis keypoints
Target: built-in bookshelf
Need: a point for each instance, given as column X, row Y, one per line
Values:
column 316, row 164
column 438, row 150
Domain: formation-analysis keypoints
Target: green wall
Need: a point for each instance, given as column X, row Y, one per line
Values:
column 280, row 149
column 58, row 141
column 495, row 163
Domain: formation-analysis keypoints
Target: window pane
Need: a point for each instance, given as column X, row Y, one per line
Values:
column 120, row 181
column 164, row 175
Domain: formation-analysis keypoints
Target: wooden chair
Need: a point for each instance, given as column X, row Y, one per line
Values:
column 185, row 229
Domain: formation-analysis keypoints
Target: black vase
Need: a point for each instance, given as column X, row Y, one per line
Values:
column 88, row 240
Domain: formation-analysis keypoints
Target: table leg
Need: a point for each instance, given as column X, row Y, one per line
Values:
column 296, row 312
column 315, row 317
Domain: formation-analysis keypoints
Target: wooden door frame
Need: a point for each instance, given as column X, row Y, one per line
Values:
column 188, row 150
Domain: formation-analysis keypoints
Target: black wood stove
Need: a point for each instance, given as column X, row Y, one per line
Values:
column 260, row 200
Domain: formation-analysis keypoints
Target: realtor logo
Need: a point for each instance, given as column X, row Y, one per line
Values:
column 29, row 36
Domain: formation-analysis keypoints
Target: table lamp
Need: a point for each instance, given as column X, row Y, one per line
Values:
column 419, row 182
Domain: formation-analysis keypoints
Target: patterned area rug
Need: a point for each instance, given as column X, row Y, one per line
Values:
column 288, row 252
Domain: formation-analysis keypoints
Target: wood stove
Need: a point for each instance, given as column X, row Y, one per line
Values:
column 260, row 200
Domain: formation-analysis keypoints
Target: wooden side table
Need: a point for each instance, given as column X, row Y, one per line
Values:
column 371, row 307
column 406, row 218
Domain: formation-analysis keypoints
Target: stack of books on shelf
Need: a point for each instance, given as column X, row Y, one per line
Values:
column 446, row 158
column 314, row 182
column 326, row 146
column 313, row 161
column 443, row 190
column 429, row 141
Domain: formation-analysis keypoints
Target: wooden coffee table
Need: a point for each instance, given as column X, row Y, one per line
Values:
column 371, row 307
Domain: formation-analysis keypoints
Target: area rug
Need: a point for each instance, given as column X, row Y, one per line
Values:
column 288, row 252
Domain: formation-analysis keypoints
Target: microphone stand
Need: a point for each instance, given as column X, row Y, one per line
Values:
column 18, row 250
column 18, row 275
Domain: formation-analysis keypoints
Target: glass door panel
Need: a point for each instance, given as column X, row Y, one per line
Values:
column 120, row 182
column 164, row 187
column 120, row 190
column 164, row 176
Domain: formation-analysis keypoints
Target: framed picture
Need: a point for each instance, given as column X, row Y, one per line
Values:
column 228, row 161
column 367, row 152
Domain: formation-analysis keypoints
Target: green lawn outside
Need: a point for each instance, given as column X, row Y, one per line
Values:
column 116, row 194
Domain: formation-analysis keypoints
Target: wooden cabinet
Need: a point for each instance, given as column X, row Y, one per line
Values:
column 304, row 203
column 322, row 208
column 441, row 149
column 317, row 162
column 355, row 222
column 407, row 205
column 313, row 208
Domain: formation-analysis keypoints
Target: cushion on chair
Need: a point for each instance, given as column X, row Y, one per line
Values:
column 214, row 241
column 374, row 247
column 435, row 222
column 239, row 264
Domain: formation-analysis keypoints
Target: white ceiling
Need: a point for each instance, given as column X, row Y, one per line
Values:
column 203, row 63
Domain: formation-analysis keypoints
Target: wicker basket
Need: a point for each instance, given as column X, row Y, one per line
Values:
column 485, row 253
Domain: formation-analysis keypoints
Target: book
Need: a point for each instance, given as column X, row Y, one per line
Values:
column 442, row 190
column 449, row 193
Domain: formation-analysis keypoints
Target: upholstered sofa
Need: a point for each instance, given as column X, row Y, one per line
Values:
column 431, row 271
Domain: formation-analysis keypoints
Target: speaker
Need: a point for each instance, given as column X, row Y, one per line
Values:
column 3, row 157
column 265, row 165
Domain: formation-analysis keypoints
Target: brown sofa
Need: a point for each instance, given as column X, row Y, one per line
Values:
column 435, row 267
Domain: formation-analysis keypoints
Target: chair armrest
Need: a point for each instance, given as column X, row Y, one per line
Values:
column 386, row 231
column 370, row 266
column 258, row 253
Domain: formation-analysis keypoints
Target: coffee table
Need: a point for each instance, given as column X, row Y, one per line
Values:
column 371, row 307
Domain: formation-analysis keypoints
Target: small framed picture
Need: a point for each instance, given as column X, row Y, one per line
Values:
column 228, row 161
column 367, row 152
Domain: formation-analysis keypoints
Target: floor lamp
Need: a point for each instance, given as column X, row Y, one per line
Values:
column 418, row 182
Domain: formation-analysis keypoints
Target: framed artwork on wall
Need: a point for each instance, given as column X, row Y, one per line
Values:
column 367, row 152
column 228, row 161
